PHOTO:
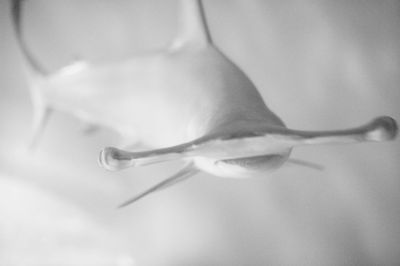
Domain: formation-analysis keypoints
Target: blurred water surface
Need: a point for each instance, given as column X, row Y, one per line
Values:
column 318, row 64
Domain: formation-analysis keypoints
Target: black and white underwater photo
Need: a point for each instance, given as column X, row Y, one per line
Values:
column 199, row 132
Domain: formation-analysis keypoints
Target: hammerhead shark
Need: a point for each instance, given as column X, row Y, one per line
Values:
column 186, row 102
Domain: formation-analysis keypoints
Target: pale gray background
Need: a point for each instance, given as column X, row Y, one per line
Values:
column 318, row 64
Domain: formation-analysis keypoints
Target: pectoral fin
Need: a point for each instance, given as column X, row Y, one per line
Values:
column 186, row 172
column 307, row 164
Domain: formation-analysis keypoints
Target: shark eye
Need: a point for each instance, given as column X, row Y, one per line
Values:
column 384, row 128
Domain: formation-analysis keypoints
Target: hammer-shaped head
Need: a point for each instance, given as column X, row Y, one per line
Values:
column 235, row 147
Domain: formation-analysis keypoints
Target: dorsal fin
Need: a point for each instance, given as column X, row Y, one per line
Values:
column 192, row 28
